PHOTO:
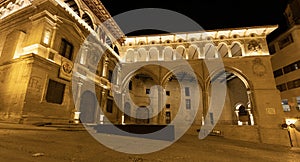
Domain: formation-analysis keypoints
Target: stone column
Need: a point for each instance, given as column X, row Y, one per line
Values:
column 105, row 64
column 77, row 102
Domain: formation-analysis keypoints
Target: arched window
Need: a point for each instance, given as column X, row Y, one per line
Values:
column 236, row 50
column 129, row 56
column 180, row 53
column 72, row 4
column 153, row 54
column 141, row 54
column 210, row 51
column 168, row 54
column 88, row 20
column 223, row 51
column 116, row 50
column 193, row 52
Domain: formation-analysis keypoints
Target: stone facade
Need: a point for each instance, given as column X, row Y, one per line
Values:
column 39, row 47
column 59, row 60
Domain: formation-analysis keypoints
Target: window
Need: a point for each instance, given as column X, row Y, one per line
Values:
column 281, row 87
column 287, row 69
column 168, row 114
column 188, row 104
column 293, row 84
column 278, row 73
column 290, row 85
column 51, row 56
column 285, row 105
column 291, row 67
column 168, row 117
column 66, row 49
column 109, row 106
column 168, row 106
column 298, row 103
column 285, row 41
column 211, row 115
column 47, row 35
column 55, row 92
column 168, row 93
column 187, row 91
column 147, row 91
column 110, row 75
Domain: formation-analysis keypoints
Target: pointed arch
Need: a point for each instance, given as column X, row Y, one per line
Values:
column 168, row 54
column 153, row 54
column 193, row 52
column 180, row 52
column 73, row 5
column 210, row 51
column 129, row 57
column 86, row 17
column 141, row 54
column 223, row 50
column 236, row 49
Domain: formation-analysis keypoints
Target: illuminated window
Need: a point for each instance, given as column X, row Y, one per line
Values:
column 47, row 36
column 188, row 104
column 55, row 92
column 298, row 103
column 66, row 49
column 285, row 105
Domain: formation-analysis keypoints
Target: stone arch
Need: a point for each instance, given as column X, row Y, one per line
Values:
column 210, row 51
column 126, row 79
column 180, row 52
column 87, row 18
column 223, row 50
column 73, row 5
column 168, row 54
column 238, row 91
column 168, row 75
column 185, row 95
column 193, row 52
column 88, row 105
column 153, row 54
column 236, row 49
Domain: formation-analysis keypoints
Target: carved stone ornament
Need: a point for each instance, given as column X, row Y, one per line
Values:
column 66, row 70
column 254, row 46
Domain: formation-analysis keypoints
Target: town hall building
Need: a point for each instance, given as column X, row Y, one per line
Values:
column 59, row 63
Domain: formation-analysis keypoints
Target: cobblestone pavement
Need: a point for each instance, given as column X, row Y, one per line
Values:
column 22, row 143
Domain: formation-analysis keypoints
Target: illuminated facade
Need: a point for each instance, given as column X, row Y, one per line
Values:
column 40, row 45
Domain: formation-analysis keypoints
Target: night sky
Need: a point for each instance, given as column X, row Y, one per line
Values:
column 213, row 14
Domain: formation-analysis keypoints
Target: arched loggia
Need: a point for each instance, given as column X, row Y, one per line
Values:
column 238, row 107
